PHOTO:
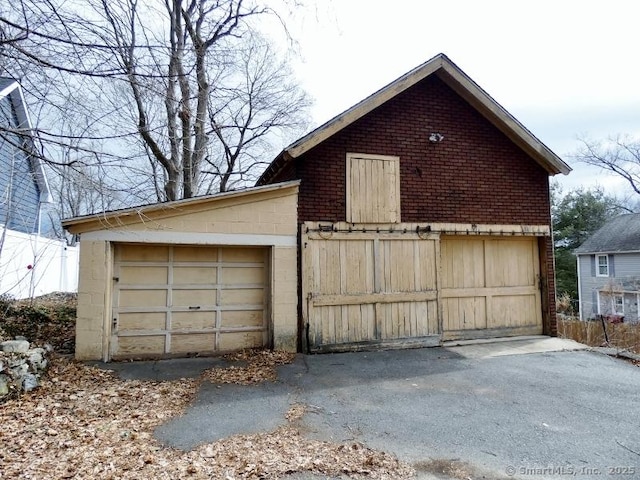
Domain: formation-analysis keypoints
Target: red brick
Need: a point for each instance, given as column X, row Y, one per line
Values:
column 475, row 175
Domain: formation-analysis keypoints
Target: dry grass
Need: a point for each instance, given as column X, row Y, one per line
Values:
column 625, row 336
column 49, row 319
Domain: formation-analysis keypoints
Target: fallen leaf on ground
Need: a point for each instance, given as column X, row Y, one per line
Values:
column 85, row 422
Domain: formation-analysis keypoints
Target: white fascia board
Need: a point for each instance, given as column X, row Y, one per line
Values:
column 8, row 89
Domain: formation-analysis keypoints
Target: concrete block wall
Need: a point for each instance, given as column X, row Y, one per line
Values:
column 267, row 216
column 94, row 289
column 285, row 298
column 274, row 213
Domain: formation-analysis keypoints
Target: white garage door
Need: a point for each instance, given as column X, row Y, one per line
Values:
column 185, row 300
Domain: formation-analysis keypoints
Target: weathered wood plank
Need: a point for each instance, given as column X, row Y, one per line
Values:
column 465, row 230
column 327, row 300
column 487, row 291
column 491, row 333
column 393, row 344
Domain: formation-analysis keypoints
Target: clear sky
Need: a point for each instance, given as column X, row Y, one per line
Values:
column 564, row 68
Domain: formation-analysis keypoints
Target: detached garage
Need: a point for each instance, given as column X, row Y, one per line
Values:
column 425, row 216
column 419, row 215
column 198, row 276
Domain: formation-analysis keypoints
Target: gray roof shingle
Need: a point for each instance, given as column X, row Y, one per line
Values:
column 621, row 234
column 5, row 82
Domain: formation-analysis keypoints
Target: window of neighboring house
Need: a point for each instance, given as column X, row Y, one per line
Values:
column 602, row 265
column 617, row 304
column 373, row 188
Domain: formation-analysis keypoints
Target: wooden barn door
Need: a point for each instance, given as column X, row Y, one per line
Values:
column 490, row 287
column 363, row 289
column 187, row 300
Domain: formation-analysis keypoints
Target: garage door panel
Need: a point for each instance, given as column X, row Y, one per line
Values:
column 514, row 311
column 242, row 318
column 243, row 255
column 193, row 343
column 180, row 299
column 240, row 340
column 463, row 263
column 345, row 323
column 407, row 319
column 507, row 300
column 358, row 274
column 140, row 345
column 242, row 296
column 242, row 275
column 140, row 298
column 465, row 313
column 395, row 278
column 327, row 331
column 138, row 275
column 194, row 275
column 426, row 258
column 326, row 273
column 429, row 313
column 142, row 321
column 357, row 322
column 193, row 320
column 194, row 298
column 144, row 253
column 510, row 263
column 371, row 287
column 195, row 254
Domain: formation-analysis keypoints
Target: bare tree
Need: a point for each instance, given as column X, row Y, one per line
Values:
column 159, row 88
column 256, row 104
column 619, row 155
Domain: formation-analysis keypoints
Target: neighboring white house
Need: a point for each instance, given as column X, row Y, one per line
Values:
column 609, row 270
column 31, row 263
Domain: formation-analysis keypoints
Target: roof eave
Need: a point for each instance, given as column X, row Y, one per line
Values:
column 74, row 224
column 464, row 86
column 274, row 168
column 606, row 252
column 453, row 76
column 15, row 93
column 365, row 106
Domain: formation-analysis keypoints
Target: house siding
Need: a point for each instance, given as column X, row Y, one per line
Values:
column 19, row 193
column 623, row 268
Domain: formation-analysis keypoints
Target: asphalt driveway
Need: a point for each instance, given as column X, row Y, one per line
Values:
column 502, row 410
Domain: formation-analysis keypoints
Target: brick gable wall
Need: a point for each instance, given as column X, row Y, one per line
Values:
column 475, row 175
